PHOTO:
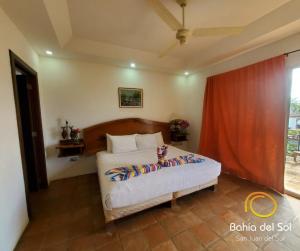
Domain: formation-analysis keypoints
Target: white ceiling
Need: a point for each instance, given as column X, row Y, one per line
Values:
column 133, row 24
column 118, row 32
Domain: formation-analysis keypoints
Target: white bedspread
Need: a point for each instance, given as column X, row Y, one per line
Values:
column 148, row 186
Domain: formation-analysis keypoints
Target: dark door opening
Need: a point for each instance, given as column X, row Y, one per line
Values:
column 26, row 92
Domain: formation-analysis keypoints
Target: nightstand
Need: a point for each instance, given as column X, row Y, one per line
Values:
column 180, row 144
column 70, row 149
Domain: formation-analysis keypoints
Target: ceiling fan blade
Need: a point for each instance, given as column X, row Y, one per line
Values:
column 168, row 49
column 165, row 14
column 217, row 31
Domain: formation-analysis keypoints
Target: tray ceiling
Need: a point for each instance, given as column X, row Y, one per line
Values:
column 119, row 32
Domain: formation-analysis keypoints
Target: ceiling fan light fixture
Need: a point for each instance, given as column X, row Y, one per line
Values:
column 132, row 65
column 181, row 35
column 182, row 3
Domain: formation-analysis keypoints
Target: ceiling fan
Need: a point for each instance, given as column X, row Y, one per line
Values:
column 182, row 33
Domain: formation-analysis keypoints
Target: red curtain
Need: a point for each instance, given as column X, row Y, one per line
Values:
column 244, row 120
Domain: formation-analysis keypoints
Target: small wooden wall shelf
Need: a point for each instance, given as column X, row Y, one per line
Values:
column 68, row 150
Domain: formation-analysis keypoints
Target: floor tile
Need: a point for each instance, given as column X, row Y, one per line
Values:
column 113, row 246
column 205, row 234
column 144, row 219
column 126, row 226
column 60, row 247
column 69, row 216
column 218, row 225
column 220, row 245
column 236, row 241
column 173, row 225
column 231, row 217
column 276, row 246
column 296, row 226
column 37, row 227
column 135, row 242
column 155, row 235
column 190, row 219
column 162, row 213
column 55, row 236
column 84, row 243
column 32, row 242
column 187, row 241
column 165, row 246
column 291, row 241
column 101, row 239
column 80, row 227
column 203, row 212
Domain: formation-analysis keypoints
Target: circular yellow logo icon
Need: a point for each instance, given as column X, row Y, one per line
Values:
column 256, row 195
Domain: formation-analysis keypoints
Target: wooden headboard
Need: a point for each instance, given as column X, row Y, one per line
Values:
column 95, row 136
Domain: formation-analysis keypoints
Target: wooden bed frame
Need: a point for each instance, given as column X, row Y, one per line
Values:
column 95, row 136
column 95, row 141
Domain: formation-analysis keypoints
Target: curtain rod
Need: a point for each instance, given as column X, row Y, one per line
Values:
column 290, row 52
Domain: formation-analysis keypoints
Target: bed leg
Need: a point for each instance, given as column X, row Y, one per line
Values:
column 174, row 204
column 110, row 228
column 213, row 188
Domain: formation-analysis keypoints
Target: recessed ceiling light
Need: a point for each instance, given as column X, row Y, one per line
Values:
column 49, row 52
column 186, row 73
column 132, row 65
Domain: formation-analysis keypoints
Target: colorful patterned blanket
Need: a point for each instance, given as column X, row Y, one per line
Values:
column 125, row 172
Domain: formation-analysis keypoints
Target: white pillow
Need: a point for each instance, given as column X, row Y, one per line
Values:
column 108, row 143
column 159, row 138
column 122, row 144
column 146, row 141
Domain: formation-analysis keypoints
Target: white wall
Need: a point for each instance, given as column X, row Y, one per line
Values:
column 13, row 211
column 86, row 94
column 193, row 94
column 280, row 47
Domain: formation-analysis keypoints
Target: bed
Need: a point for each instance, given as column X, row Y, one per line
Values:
column 123, row 198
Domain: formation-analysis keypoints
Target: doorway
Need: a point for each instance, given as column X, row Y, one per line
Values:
column 26, row 94
column 292, row 164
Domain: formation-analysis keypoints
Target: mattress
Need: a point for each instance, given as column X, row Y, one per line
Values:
column 116, row 194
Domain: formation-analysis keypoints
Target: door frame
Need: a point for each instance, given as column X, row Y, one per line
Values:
column 17, row 62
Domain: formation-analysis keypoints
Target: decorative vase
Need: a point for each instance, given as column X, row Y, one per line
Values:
column 64, row 132
column 73, row 133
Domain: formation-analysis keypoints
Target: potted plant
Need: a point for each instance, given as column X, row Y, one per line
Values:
column 74, row 134
column 178, row 128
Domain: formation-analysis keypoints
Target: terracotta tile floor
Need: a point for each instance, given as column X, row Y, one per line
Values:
column 68, row 216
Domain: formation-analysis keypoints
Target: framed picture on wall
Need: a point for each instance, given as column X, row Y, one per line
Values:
column 130, row 97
